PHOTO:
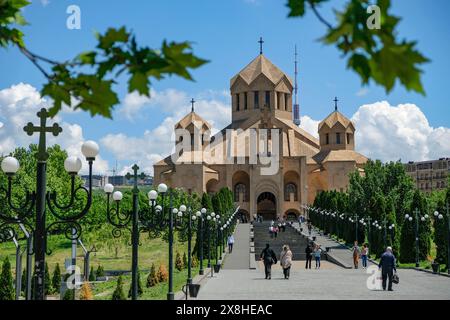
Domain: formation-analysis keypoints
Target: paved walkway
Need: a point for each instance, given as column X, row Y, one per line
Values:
column 338, row 252
column 239, row 258
column 333, row 283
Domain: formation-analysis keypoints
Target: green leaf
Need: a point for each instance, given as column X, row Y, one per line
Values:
column 112, row 36
column 140, row 83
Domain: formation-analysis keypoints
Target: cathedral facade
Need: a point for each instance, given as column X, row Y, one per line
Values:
column 272, row 165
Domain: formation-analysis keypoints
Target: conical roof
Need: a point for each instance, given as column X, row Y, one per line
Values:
column 334, row 118
column 193, row 118
column 260, row 65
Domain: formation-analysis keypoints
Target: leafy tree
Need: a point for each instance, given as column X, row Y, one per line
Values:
column 86, row 292
column 152, row 279
column 441, row 231
column 6, row 282
column 407, row 242
column 377, row 55
column 118, row 293
column 194, row 262
column 89, row 76
column 56, row 279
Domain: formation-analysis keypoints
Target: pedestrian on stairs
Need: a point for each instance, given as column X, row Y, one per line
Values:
column 269, row 258
column 286, row 261
column 308, row 252
column 309, row 227
column 275, row 231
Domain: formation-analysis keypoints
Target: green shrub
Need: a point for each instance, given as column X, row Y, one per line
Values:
column 6, row 282
column 140, row 290
column 100, row 272
column 152, row 279
column 92, row 275
column 56, row 279
column 178, row 262
column 118, row 293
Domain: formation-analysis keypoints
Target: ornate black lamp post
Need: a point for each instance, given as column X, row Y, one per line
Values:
column 37, row 201
column 120, row 219
column 441, row 217
column 416, row 229
column 201, row 222
column 180, row 226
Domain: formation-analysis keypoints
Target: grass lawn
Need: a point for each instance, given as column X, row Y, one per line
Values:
column 104, row 291
column 115, row 255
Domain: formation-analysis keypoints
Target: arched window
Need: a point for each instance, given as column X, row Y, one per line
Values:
column 238, row 189
column 290, row 188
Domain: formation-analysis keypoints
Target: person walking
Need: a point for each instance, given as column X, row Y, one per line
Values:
column 364, row 255
column 230, row 243
column 308, row 252
column 268, row 257
column 275, row 231
column 271, row 228
column 286, row 261
column 387, row 266
column 317, row 256
column 309, row 225
column 356, row 252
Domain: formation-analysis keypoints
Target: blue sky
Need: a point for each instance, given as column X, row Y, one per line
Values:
column 226, row 33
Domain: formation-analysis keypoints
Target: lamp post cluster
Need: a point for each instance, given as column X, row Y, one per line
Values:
column 37, row 202
column 158, row 218
column 416, row 219
column 440, row 217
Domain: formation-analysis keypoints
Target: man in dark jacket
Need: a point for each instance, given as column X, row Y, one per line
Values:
column 269, row 258
column 387, row 265
column 308, row 252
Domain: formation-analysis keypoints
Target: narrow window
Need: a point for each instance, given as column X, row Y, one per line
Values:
column 267, row 100
column 286, row 99
column 348, row 138
column 245, row 101
column 327, row 138
column 237, row 102
column 256, row 99
column 338, row 138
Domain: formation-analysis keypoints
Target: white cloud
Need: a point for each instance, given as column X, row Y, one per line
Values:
column 309, row 125
column 398, row 132
column 18, row 106
column 45, row 2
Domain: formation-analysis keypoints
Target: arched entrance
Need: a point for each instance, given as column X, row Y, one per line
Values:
column 267, row 206
column 291, row 215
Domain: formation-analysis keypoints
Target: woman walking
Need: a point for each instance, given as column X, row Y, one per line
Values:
column 286, row 261
column 364, row 255
column 317, row 255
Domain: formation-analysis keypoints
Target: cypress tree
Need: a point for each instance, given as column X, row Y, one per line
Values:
column 92, row 275
column 56, row 279
column 152, row 279
column 47, row 281
column 6, row 282
column 441, row 232
column 140, row 290
column 118, row 293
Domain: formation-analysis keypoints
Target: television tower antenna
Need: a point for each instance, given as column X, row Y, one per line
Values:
column 296, row 106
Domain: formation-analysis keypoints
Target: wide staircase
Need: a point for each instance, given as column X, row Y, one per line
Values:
column 290, row 237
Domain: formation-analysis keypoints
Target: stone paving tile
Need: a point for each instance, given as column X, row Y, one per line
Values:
column 331, row 284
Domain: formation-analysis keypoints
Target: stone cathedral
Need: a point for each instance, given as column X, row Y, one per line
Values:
column 262, row 128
